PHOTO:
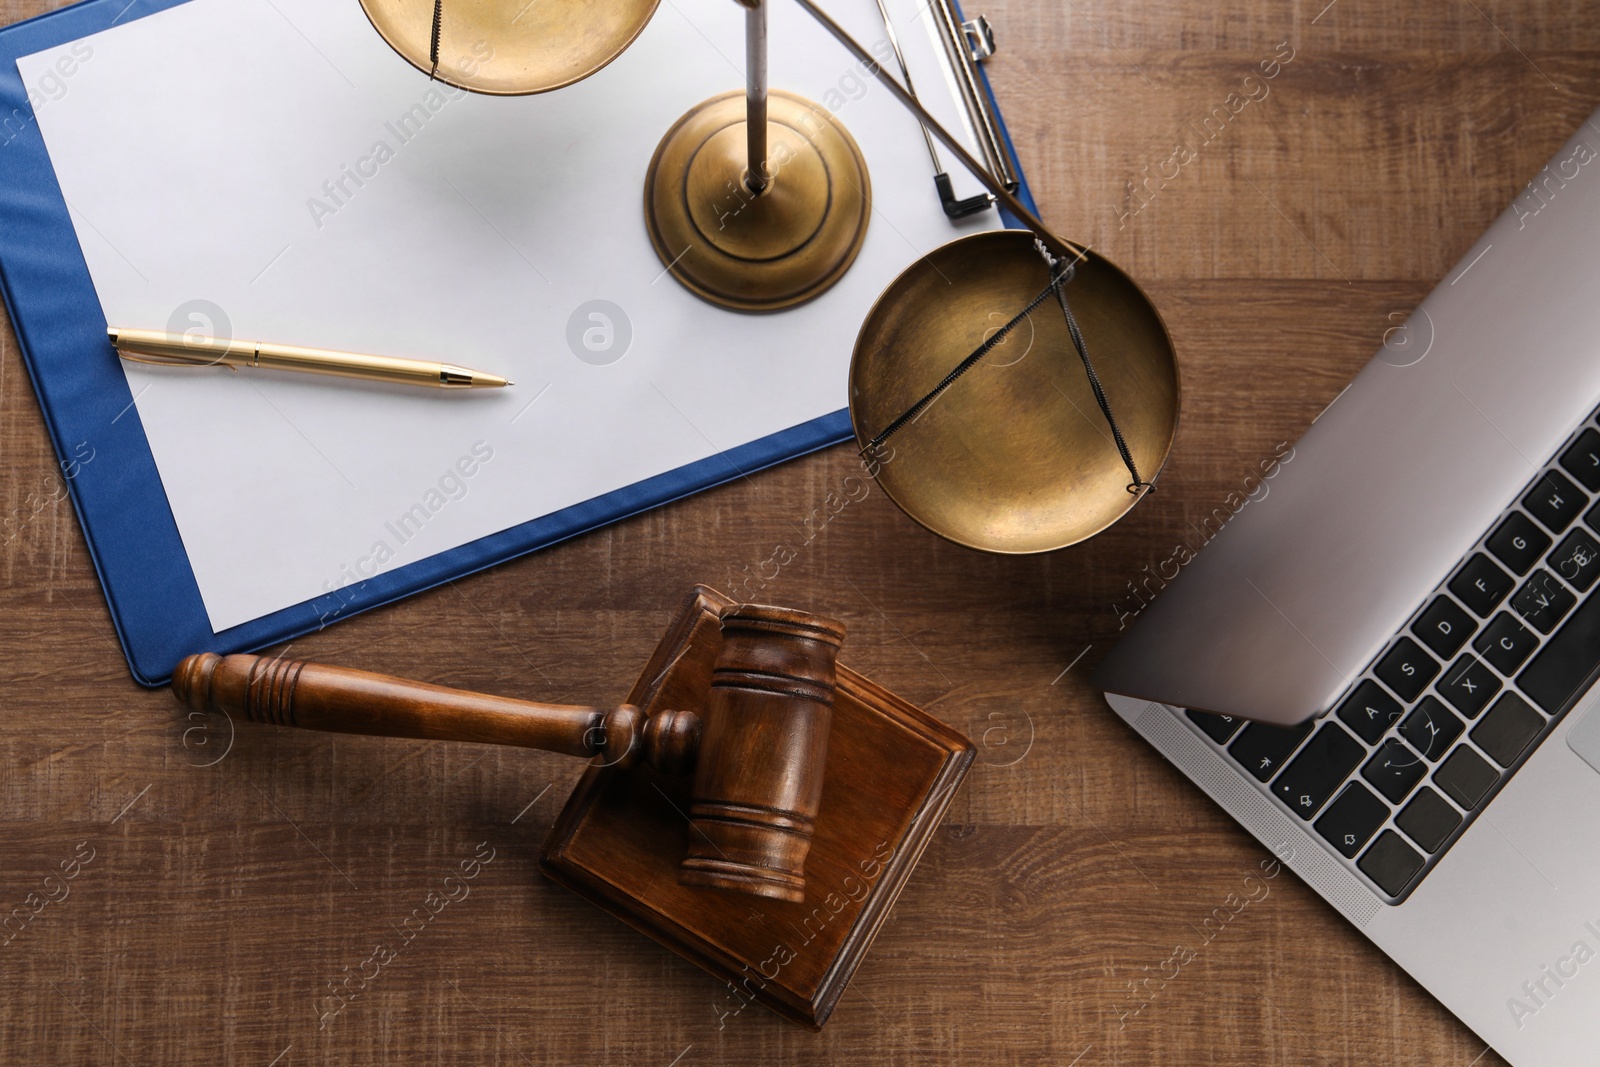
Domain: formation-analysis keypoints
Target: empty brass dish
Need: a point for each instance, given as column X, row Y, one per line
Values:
column 1015, row 456
column 511, row 47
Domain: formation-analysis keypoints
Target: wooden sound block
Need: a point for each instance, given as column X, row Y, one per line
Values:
column 891, row 772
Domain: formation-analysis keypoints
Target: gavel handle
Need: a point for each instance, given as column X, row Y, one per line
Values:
column 313, row 696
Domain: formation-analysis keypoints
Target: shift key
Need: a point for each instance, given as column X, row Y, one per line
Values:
column 1562, row 670
column 1319, row 769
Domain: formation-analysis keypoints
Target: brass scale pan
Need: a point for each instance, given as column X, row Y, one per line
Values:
column 1015, row 457
column 511, row 47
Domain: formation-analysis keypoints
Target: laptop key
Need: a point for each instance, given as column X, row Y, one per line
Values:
column 1393, row 770
column 1431, row 728
column 1518, row 542
column 1368, row 710
column 1406, row 669
column 1567, row 662
column 1217, row 727
column 1508, row 729
column 1465, row 777
column 1577, row 559
column 1444, row 627
column 1542, row 601
column 1352, row 819
column 1506, row 643
column 1391, row 863
column 1261, row 747
column 1468, row 685
column 1428, row 820
column 1481, row 585
column 1582, row 460
column 1555, row 501
column 1320, row 768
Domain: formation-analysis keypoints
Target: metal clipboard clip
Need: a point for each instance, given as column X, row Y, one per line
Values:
column 968, row 44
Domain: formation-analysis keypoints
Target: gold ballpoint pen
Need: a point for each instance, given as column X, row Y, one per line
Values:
column 152, row 346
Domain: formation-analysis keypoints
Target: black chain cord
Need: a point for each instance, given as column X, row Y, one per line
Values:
column 1060, row 275
column 965, row 365
column 433, row 44
column 1099, row 392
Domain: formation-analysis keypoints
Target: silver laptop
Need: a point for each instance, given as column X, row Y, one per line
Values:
column 1380, row 655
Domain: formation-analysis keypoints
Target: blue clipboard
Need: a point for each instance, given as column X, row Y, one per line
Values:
column 106, row 463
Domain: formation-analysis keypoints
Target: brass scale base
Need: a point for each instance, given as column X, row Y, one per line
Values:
column 766, row 251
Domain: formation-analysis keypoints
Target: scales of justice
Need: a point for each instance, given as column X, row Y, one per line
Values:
column 1022, row 454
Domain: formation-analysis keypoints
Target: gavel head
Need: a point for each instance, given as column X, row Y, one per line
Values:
column 758, row 777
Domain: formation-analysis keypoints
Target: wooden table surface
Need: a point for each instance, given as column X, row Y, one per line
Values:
column 224, row 900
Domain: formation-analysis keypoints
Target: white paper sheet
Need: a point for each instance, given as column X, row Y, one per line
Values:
column 255, row 156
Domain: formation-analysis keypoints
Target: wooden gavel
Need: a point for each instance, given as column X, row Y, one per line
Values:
column 757, row 749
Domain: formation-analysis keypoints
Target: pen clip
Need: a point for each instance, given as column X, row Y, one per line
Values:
column 166, row 360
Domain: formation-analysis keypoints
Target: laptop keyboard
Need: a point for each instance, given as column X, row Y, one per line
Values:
column 1457, row 702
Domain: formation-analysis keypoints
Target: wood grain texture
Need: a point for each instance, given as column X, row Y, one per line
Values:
column 223, row 900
